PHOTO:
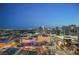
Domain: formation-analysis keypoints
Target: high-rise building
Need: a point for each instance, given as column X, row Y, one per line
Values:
column 73, row 29
column 65, row 30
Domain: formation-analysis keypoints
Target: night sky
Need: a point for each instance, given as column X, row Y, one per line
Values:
column 34, row 15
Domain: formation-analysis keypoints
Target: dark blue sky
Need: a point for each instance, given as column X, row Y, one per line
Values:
column 34, row 15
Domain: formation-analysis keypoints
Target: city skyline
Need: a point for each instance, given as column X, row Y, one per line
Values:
column 35, row 15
